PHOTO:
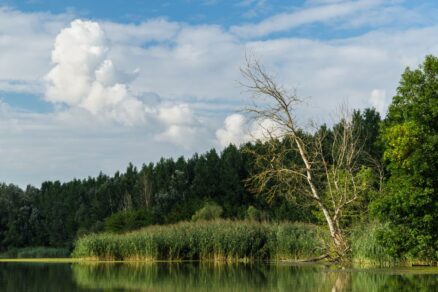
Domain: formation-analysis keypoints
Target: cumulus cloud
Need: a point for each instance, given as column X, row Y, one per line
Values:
column 266, row 129
column 181, row 135
column 233, row 131
column 237, row 130
column 181, row 126
column 83, row 76
column 178, row 114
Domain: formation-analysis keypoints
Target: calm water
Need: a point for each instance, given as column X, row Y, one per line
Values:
column 209, row 277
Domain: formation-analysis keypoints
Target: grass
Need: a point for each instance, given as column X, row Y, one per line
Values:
column 219, row 240
column 368, row 250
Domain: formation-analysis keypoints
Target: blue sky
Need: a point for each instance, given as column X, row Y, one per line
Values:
column 89, row 86
column 219, row 12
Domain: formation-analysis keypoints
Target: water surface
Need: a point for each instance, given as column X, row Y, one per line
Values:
column 209, row 277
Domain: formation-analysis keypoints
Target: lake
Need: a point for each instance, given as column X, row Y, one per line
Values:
column 209, row 277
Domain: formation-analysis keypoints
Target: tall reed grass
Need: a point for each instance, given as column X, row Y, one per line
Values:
column 223, row 240
column 366, row 247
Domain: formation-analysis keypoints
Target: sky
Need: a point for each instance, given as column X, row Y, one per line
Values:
column 89, row 86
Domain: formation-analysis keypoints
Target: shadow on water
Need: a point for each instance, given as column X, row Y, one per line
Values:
column 208, row 277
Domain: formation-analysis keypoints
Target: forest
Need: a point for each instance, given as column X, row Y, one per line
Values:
column 397, row 209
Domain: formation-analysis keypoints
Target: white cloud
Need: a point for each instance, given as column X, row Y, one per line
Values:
column 181, row 126
column 83, row 76
column 266, row 129
column 286, row 21
column 179, row 114
column 233, row 131
column 25, row 42
column 201, row 62
column 152, row 30
column 378, row 100
column 237, row 130
column 181, row 135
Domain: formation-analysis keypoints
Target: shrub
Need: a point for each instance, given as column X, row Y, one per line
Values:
column 210, row 211
column 128, row 220
column 254, row 214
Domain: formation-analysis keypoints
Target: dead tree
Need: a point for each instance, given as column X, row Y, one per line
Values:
column 330, row 176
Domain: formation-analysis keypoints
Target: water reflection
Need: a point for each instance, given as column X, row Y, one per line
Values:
column 36, row 277
column 208, row 277
column 202, row 277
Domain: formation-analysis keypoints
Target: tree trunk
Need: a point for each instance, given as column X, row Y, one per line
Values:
column 341, row 246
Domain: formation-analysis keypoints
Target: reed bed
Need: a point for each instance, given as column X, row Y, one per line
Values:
column 219, row 240
column 368, row 250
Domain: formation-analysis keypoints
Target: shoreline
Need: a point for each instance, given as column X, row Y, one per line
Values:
column 401, row 268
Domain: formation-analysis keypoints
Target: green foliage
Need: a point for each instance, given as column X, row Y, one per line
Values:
column 362, row 183
column 299, row 240
column 366, row 126
column 210, row 211
column 411, row 232
column 254, row 214
column 207, row 240
column 403, row 140
column 128, row 220
column 410, row 137
column 367, row 246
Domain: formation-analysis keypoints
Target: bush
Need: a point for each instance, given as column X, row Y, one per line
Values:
column 210, row 211
column 254, row 214
column 128, row 220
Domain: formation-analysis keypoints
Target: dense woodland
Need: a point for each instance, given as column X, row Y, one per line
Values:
column 402, row 160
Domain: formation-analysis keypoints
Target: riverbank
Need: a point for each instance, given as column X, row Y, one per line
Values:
column 221, row 241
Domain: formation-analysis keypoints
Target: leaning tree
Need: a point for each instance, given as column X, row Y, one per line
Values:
column 322, row 167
